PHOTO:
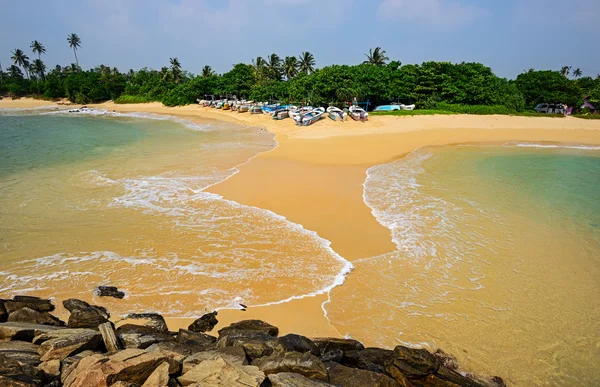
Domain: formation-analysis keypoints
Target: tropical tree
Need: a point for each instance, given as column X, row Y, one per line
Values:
column 290, row 67
column 259, row 66
column 577, row 73
column 165, row 74
column 376, row 57
column 39, row 67
column 565, row 70
column 38, row 48
column 306, row 63
column 1, row 74
column 15, row 72
column 274, row 67
column 20, row 59
column 207, row 71
column 74, row 43
column 175, row 69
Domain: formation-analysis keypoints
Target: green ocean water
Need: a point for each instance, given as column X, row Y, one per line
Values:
column 497, row 260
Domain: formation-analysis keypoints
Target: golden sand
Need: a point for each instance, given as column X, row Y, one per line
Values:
column 315, row 178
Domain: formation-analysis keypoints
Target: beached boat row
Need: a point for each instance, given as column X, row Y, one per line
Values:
column 301, row 115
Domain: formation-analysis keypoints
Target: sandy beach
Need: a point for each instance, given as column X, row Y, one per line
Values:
column 316, row 174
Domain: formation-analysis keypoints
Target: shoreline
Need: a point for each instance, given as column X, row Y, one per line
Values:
column 315, row 177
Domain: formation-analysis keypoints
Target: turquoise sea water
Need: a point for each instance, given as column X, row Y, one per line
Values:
column 497, row 260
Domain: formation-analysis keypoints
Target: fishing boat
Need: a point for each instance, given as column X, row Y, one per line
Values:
column 299, row 112
column 387, row 108
column 256, row 109
column 358, row 114
column 311, row 117
column 404, row 107
column 336, row 113
column 281, row 113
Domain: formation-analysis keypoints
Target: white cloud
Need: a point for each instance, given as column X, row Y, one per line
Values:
column 434, row 12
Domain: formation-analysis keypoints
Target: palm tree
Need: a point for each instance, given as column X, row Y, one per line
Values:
column 15, row 72
column 274, row 66
column 39, row 67
column 19, row 58
column 259, row 65
column 1, row 74
column 290, row 67
column 175, row 69
column 165, row 74
column 564, row 71
column 307, row 63
column 74, row 43
column 577, row 73
column 376, row 57
column 207, row 71
column 38, row 48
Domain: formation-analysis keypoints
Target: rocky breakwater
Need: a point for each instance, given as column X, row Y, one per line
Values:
column 38, row 349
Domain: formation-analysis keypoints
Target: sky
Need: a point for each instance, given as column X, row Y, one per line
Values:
column 510, row 36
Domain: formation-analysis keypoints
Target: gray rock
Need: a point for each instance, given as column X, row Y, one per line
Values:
column 34, row 317
column 433, row 381
column 155, row 321
column 109, row 291
column 296, row 343
column 73, row 304
column 413, row 363
column 370, row 359
column 353, row 377
column 206, row 323
column 177, row 350
column 13, row 373
column 250, row 325
column 301, row 363
column 255, row 343
column 139, row 336
column 23, row 331
column 22, row 351
column 188, row 337
column 220, row 372
column 87, row 318
column 34, row 303
column 67, row 345
column 61, row 333
column 452, row 376
column 336, row 355
column 3, row 312
column 289, row 379
column 235, row 355
column 326, row 344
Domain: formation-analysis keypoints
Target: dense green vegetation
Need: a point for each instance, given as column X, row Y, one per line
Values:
column 433, row 86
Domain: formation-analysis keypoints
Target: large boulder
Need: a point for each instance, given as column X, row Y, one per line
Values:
column 326, row 344
column 234, row 355
column 220, row 372
column 206, row 323
column 301, row 363
column 296, row 343
column 73, row 304
column 69, row 344
column 34, row 303
column 188, row 337
column 129, row 366
column 433, row 381
column 255, row 343
column 15, row 374
column 413, row 363
column 51, row 367
column 451, row 376
column 290, row 379
column 23, row 331
column 109, row 291
column 3, row 312
column 140, row 336
column 249, row 326
column 175, row 350
column 34, row 317
column 340, row 375
column 159, row 377
column 22, row 351
column 370, row 359
column 154, row 321
column 86, row 318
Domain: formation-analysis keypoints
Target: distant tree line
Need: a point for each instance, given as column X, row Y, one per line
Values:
column 297, row 79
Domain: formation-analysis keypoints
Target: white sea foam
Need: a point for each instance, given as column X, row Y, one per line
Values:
column 185, row 201
column 554, row 146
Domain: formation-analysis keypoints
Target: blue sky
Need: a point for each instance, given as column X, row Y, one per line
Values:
column 510, row 36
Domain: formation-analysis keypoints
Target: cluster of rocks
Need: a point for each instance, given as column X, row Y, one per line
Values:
column 38, row 349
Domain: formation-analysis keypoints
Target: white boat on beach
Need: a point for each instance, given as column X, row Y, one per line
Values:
column 300, row 111
column 281, row 114
column 311, row 117
column 336, row 113
column 358, row 114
